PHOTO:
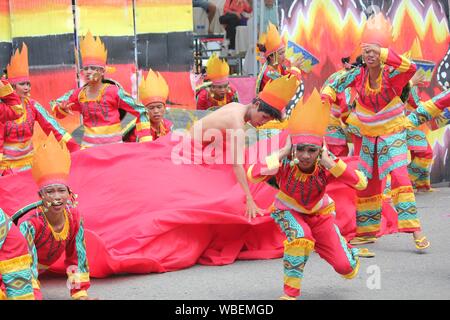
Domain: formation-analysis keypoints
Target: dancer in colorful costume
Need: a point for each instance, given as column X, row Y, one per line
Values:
column 303, row 210
column 380, row 121
column 55, row 227
column 18, row 134
column 10, row 108
column 100, row 100
column 275, row 65
column 10, row 105
column 15, row 262
column 231, row 119
column 203, row 219
column 419, row 168
column 217, row 91
column 153, row 93
column 336, row 136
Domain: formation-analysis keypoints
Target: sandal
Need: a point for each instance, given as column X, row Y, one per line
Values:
column 365, row 253
column 420, row 243
column 286, row 297
column 362, row 240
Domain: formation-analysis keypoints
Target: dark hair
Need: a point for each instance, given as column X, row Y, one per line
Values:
column 405, row 93
column 359, row 62
column 266, row 108
column 345, row 60
column 355, row 64
column 261, row 47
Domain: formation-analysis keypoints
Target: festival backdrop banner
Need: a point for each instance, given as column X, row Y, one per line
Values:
column 332, row 29
column 5, row 34
column 113, row 21
column 164, row 43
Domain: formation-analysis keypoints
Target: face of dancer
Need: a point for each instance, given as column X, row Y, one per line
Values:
column 279, row 56
column 371, row 58
column 219, row 91
column 55, row 197
column 258, row 118
column 23, row 89
column 307, row 156
column 93, row 74
column 156, row 111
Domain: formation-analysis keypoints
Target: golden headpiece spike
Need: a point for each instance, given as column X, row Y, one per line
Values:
column 51, row 163
column 309, row 121
column 153, row 88
column 17, row 69
column 93, row 51
column 277, row 93
column 217, row 70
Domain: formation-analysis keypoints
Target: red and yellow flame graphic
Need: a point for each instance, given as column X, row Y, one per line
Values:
column 330, row 30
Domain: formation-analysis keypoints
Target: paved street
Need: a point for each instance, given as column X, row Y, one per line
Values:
column 397, row 272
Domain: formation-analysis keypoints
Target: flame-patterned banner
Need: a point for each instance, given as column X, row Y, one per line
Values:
column 332, row 29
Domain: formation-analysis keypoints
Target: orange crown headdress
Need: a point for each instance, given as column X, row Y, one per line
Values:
column 277, row 93
column 51, row 163
column 309, row 121
column 17, row 69
column 93, row 51
column 378, row 30
column 217, row 70
column 153, row 88
column 271, row 39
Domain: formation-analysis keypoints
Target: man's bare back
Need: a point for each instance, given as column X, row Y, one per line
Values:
column 230, row 116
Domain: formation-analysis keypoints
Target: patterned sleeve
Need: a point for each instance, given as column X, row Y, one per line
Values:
column 414, row 98
column 351, row 177
column 15, row 261
column 404, row 69
column 29, row 232
column 49, row 124
column 127, row 103
column 260, row 172
column 11, row 108
column 429, row 109
column 340, row 83
column 77, row 265
column 69, row 97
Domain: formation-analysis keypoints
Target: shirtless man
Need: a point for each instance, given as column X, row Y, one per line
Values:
column 232, row 118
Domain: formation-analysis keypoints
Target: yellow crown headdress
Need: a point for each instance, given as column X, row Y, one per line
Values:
column 93, row 51
column 51, row 163
column 153, row 88
column 277, row 93
column 217, row 70
column 17, row 69
column 271, row 40
column 309, row 121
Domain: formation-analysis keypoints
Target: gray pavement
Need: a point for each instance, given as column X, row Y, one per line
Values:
column 397, row 272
